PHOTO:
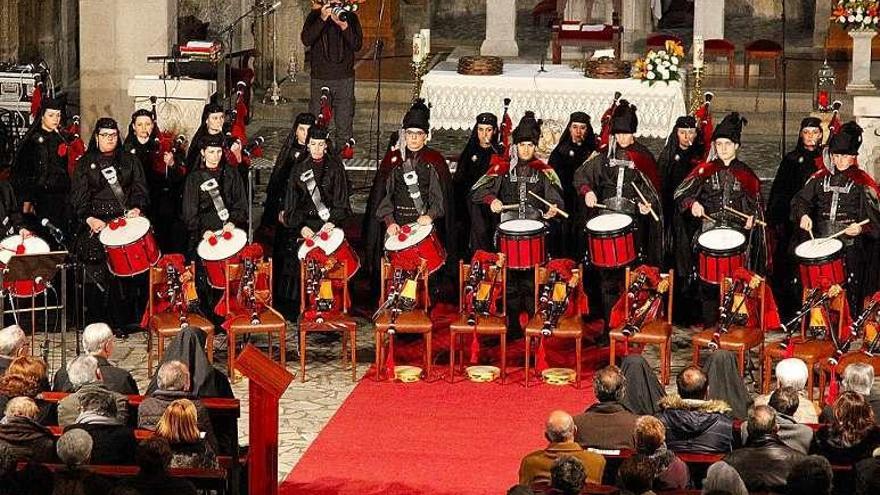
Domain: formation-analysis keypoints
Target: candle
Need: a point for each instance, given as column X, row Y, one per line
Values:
column 426, row 36
column 417, row 45
column 698, row 52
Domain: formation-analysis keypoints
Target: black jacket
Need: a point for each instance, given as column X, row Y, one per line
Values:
column 111, row 444
column 199, row 213
column 91, row 195
column 764, row 463
column 867, row 477
column 696, row 425
column 28, row 440
column 331, row 183
column 115, row 379
column 331, row 50
column 830, row 445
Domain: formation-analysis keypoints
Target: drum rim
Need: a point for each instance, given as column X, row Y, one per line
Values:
column 610, row 233
column 542, row 228
column 134, row 221
column 236, row 233
column 838, row 253
column 416, row 228
column 731, row 250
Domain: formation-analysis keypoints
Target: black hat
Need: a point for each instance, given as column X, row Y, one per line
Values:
column 487, row 118
column 51, row 103
column 211, row 140
column 418, row 116
column 811, row 122
column 624, row 120
column 529, row 129
column 304, row 118
column 686, row 122
column 106, row 123
column 579, row 117
column 730, row 128
column 847, row 141
column 316, row 132
column 211, row 108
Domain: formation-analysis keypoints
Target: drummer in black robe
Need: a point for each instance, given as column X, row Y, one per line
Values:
column 795, row 169
column 214, row 198
column 838, row 199
column 509, row 182
column 213, row 124
column 165, row 173
column 316, row 200
column 575, row 146
column 614, row 179
column 476, row 223
column 107, row 184
column 710, row 189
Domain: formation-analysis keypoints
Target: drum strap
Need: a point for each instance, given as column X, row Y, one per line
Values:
column 835, row 191
column 112, row 179
column 411, row 179
column 308, row 178
column 212, row 187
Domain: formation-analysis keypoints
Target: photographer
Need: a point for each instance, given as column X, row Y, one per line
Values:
column 333, row 42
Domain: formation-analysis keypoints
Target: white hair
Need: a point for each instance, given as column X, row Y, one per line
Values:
column 858, row 378
column 12, row 338
column 94, row 337
column 173, row 375
column 74, row 447
column 82, row 371
column 792, row 372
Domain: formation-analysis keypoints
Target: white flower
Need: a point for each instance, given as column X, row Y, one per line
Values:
column 675, row 60
column 859, row 17
column 841, row 20
column 650, row 75
column 876, row 20
column 851, row 18
column 649, row 67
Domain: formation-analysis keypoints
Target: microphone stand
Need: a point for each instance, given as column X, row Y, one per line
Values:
column 377, row 58
column 230, row 30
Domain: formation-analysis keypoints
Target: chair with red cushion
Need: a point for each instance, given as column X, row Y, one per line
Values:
column 721, row 48
column 658, row 40
column 762, row 50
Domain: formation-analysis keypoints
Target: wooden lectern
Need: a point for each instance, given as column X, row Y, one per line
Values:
column 268, row 380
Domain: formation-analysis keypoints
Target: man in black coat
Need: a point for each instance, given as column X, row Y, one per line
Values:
column 765, row 461
column 98, row 341
column 694, row 424
column 113, row 443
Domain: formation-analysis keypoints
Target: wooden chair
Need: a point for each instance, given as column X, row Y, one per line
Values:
column 569, row 327
column 166, row 324
column 721, row 48
column 762, row 50
column 495, row 324
column 657, row 332
column 271, row 321
column 412, row 322
column 738, row 339
column 657, row 41
column 339, row 321
column 812, row 352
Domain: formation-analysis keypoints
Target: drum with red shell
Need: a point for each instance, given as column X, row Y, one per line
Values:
column 419, row 238
column 219, row 250
column 130, row 246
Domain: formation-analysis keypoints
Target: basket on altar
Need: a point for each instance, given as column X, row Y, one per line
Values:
column 607, row 68
column 479, row 65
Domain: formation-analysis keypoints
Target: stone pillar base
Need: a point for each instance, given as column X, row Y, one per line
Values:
column 500, row 48
column 860, row 76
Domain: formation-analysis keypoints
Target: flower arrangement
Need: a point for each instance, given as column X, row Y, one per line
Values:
column 661, row 65
column 857, row 14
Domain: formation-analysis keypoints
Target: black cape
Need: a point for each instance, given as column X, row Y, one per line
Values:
column 476, row 224
column 565, row 159
column 643, row 390
column 726, row 384
column 188, row 347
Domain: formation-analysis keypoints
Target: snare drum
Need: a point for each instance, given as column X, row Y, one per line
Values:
column 333, row 243
column 523, row 243
column 420, row 238
column 130, row 246
column 820, row 258
column 216, row 252
column 13, row 245
column 611, row 240
column 720, row 251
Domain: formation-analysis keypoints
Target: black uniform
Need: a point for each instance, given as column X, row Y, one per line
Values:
column 193, row 155
column 565, row 159
column 40, row 177
column 475, row 222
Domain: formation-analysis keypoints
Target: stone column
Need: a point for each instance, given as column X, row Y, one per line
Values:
column 866, row 112
column 9, row 31
column 860, row 78
column 116, row 37
column 500, row 29
column 635, row 16
column 820, row 22
column 709, row 19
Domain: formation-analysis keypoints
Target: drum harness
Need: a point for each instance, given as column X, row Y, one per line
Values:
column 308, row 178
column 212, row 187
column 522, row 187
column 411, row 179
column 835, row 191
column 112, row 179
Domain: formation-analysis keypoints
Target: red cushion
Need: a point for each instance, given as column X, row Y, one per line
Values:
column 661, row 39
column 764, row 46
column 718, row 44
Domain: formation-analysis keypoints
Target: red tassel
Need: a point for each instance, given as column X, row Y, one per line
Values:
column 541, row 357
column 475, row 348
column 347, row 152
column 389, row 360
column 833, row 388
column 523, row 319
column 19, row 249
column 789, row 351
column 37, row 100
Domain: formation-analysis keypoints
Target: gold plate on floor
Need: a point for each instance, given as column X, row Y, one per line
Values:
column 483, row 374
column 558, row 376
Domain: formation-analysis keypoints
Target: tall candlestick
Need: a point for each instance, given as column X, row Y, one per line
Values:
column 426, row 36
column 417, row 46
column 698, row 51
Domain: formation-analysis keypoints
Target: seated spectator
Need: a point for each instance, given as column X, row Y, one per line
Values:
column 785, row 402
column 764, row 462
column 721, row 477
column 112, row 441
column 643, row 389
column 34, row 479
column 694, row 424
column 811, row 476
column 188, row 347
column 22, row 435
column 792, row 372
column 174, row 383
column 32, row 367
column 670, row 472
column 98, row 341
column 560, row 432
column 606, row 424
column 86, row 377
column 74, row 449
column 23, row 378
column 568, row 476
column 178, row 425
column 520, row 490
column 153, row 457
column 852, row 434
column 867, row 475
column 636, row 476
column 13, row 343
column 858, row 378
column 726, row 384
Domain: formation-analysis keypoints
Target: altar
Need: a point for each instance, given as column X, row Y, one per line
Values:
column 456, row 99
column 179, row 101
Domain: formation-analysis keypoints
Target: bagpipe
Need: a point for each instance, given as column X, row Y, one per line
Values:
column 643, row 309
column 482, row 291
column 320, row 297
column 237, row 133
column 325, row 116
column 166, row 142
column 705, row 124
column 857, row 330
column 732, row 310
column 605, row 121
column 816, row 298
column 499, row 163
column 556, row 294
column 402, row 295
column 72, row 145
column 177, row 293
column 250, row 294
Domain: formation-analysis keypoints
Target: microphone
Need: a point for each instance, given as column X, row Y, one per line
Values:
column 57, row 233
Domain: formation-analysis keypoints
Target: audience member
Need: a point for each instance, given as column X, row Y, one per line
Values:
column 22, row 379
column 520, row 490
column 694, row 424
column 113, row 442
column 765, row 461
column 74, row 449
column 726, row 384
column 153, row 457
column 811, row 476
column 85, row 376
column 32, row 367
column 173, row 383
column 721, row 477
column 636, row 476
column 867, row 475
column 568, row 476
column 858, row 378
column 560, row 432
column 606, row 424
column 98, row 341
column 23, row 436
column 34, row 479
column 792, row 372
column 852, row 434
column 188, row 347
column 670, row 472
column 13, row 343
column 785, row 401
column 643, row 389
column 179, row 426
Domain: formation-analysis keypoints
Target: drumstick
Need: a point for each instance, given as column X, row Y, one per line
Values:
column 744, row 216
column 509, row 207
column 600, row 205
column 841, row 232
column 707, row 217
column 645, row 201
column 549, row 205
column 812, row 238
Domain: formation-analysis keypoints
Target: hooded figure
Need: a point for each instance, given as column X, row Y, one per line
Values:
column 643, row 390
column 188, row 347
column 726, row 384
column 217, row 114
column 475, row 219
column 568, row 155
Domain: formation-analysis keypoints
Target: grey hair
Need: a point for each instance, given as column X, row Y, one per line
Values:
column 22, row 407
column 173, row 375
column 82, row 371
column 12, row 338
column 858, row 378
column 98, row 402
column 792, row 372
column 74, row 447
column 94, row 337
column 560, row 432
